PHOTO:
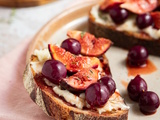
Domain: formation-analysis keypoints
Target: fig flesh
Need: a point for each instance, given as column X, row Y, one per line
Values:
column 135, row 6
column 80, row 81
column 72, row 62
column 156, row 19
column 90, row 45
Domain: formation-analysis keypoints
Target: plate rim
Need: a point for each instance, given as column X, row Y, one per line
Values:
column 35, row 42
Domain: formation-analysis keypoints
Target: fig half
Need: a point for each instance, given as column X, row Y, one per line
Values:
column 72, row 62
column 80, row 81
column 107, row 4
column 135, row 6
column 90, row 45
column 156, row 19
column 140, row 6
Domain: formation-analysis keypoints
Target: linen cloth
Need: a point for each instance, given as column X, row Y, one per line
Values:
column 15, row 103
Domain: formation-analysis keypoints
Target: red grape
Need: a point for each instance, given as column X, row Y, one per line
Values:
column 109, row 83
column 118, row 15
column 137, row 55
column 148, row 102
column 144, row 20
column 97, row 95
column 136, row 87
column 72, row 45
column 54, row 70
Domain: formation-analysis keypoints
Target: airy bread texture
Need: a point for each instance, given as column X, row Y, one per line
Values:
column 56, row 107
column 124, row 39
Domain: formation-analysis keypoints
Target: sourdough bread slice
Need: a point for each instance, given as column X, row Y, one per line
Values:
column 125, row 39
column 57, row 107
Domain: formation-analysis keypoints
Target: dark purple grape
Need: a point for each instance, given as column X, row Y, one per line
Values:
column 148, row 102
column 109, row 83
column 144, row 20
column 135, row 87
column 54, row 70
column 157, row 9
column 118, row 15
column 72, row 45
column 137, row 56
column 97, row 95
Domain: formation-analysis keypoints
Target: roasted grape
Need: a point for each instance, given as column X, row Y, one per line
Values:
column 54, row 70
column 72, row 45
column 136, row 87
column 97, row 95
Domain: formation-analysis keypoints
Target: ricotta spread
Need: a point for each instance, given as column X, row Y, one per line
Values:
column 115, row 102
column 128, row 25
column 69, row 97
column 42, row 55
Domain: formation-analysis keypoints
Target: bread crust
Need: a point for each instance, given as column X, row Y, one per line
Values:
column 124, row 39
column 57, row 108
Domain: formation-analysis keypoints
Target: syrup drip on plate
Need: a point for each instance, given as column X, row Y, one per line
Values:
column 148, row 68
column 124, row 83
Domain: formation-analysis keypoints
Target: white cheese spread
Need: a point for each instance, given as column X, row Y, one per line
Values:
column 49, row 83
column 128, row 25
column 115, row 102
column 42, row 55
column 37, row 66
column 69, row 97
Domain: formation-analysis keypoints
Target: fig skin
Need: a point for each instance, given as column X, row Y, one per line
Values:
column 90, row 45
column 80, row 81
column 156, row 18
column 72, row 62
column 140, row 6
column 107, row 4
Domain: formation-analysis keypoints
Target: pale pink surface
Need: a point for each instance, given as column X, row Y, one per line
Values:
column 15, row 103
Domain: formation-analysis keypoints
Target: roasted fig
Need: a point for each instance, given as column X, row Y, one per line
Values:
column 107, row 4
column 72, row 62
column 135, row 6
column 140, row 6
column 80, row 81
column 90, row 45
column 105, row 65
column 156, row 19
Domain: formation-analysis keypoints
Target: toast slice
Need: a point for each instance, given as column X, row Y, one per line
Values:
column 56, row 107
column 62, row 104
column 124, row 35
